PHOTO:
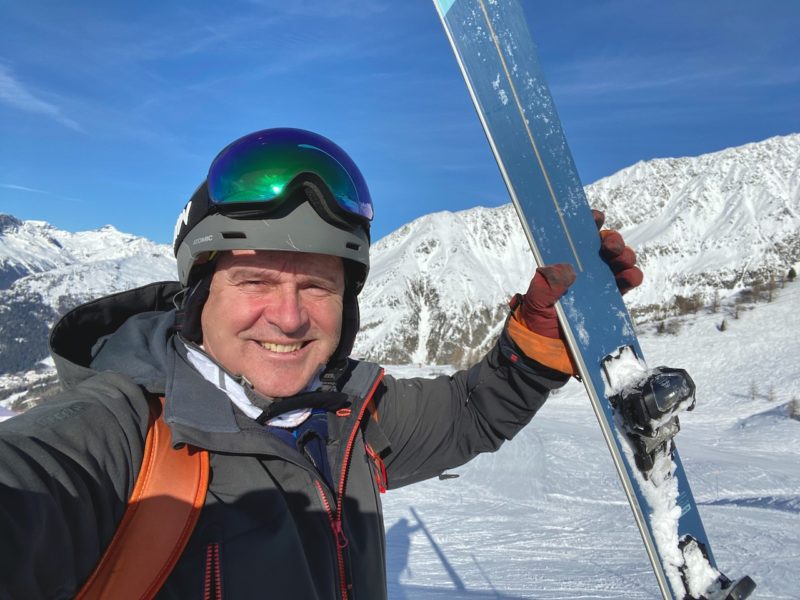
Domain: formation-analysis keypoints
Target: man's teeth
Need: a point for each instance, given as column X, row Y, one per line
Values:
column 282, row 348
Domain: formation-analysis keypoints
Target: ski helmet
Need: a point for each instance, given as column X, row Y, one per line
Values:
column 276, row 189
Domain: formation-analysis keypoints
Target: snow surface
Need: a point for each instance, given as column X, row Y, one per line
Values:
column 624, row 372
column 546, row 517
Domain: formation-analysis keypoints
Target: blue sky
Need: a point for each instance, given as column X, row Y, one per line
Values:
column 110, row 112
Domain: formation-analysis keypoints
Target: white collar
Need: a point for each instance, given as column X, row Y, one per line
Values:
column 213, row 373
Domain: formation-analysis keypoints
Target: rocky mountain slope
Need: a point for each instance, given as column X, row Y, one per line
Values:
column 717, row 221
column 45, row 271
column 704, row 227
column 707, row 226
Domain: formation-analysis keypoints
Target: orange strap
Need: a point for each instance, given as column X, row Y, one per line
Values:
column 162, row 512
column 550, row 352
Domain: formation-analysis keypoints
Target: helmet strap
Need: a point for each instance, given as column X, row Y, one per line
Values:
column 187, row 317
column 338, row 362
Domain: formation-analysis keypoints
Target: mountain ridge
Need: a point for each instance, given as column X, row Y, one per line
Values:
column 46, row 271
column 706, row 227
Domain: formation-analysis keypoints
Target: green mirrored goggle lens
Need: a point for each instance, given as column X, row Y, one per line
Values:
column 258, row 167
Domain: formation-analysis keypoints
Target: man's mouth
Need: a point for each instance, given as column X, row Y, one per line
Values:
column 282, row 348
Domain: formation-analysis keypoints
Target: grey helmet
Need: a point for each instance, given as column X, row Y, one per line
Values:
column 276, row 189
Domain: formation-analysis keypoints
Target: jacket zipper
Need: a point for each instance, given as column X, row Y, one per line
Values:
column 212, row 588
column 335, row 513
column 335, row 519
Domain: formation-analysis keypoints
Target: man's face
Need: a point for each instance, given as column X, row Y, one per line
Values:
column 274, row 317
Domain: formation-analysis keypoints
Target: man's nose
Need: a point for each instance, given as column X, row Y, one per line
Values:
column 287, row 312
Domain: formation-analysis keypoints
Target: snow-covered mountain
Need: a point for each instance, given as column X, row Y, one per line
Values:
column 438, row 287
column 45, row 271
column 717, row 223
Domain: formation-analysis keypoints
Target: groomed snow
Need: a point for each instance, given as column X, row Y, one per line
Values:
column 546, row 518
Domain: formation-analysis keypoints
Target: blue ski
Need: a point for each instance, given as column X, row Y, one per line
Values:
column 636, row 407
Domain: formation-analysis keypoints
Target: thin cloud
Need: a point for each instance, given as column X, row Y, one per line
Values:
column 327, row 9
column 140, row 43
column 625, row 75
column 25, row 188
column 22, row 188
column 615, row 75
column 15, row 94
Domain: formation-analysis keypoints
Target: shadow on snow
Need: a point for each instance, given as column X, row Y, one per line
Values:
column 398, row 538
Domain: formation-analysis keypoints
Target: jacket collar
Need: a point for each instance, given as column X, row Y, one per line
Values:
column 200, row 414
column 125, row 332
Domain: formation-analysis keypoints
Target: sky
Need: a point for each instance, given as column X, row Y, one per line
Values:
column 111, row 112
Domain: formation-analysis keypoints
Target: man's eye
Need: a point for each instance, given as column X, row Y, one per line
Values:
column 318, row 288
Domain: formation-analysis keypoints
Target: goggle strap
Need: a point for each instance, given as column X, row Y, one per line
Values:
column 320, row 199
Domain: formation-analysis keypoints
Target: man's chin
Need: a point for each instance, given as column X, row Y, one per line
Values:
column 277, row 376
column 283, row 385
column 276, row 391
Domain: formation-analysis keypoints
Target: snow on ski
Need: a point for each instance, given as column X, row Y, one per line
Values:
column 635, row 406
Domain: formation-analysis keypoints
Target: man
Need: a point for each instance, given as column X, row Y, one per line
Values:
column 272, row 251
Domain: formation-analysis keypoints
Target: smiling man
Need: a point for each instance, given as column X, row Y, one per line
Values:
column 274, row 317
column 245, row 362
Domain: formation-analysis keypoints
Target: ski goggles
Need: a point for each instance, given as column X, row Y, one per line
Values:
column 259, row 167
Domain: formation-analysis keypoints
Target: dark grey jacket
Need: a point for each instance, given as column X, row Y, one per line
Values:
column 271, row 527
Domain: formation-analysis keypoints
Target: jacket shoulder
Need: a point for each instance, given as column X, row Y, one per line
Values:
column 104, row 414
column 67, row 468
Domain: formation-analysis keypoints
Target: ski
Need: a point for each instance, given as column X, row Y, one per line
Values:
column 638, row 408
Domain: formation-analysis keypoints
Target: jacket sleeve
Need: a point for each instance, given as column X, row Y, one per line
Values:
column 67, row 469
column 436, row 424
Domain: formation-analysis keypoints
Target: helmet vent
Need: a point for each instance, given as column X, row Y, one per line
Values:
column 352, row 246
column 234, row 235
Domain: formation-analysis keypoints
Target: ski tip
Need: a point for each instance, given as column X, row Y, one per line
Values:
column 444, row 5
column 740, row 589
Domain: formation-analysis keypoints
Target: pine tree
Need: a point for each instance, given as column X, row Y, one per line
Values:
column 794, row 409
column 715, row 302
column 771, row 286
column 771, row 395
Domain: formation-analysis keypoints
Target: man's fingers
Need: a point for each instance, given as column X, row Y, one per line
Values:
column 537, row 310
column 621, row 259
column 611, row 245
column 599, row 218
column 629, row 279
column 559, row 277
column 625, row 260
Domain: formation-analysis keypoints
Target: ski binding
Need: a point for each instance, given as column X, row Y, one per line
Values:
column 696, row 559
column 648, row 403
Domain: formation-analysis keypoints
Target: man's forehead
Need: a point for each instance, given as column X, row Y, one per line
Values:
column 281, row 261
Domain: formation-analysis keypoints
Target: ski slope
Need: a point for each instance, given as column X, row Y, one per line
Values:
column 546, row 517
